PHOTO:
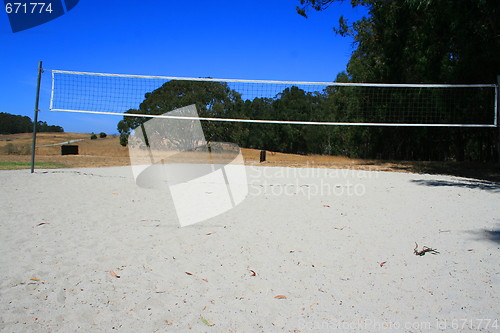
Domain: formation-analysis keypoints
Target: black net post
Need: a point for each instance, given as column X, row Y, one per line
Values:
column 497, row 120
column 35, row 118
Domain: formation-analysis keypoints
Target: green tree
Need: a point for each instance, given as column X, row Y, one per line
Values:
column 42, row 126
column 419, row 41
column 422, row 41
column 11, row 124
column 212, row 100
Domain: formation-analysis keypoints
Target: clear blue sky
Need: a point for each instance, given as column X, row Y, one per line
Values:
column 224, row 39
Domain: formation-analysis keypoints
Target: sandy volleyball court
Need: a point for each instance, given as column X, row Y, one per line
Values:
column 307, row 250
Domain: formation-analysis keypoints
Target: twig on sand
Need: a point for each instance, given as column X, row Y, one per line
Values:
column 206, row 322
column 424, row 250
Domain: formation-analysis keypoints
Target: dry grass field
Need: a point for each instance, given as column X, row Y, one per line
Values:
column 92, row 153
column 15, row 153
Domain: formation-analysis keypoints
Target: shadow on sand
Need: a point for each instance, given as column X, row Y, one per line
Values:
column 474, row 170
column 492, row 235
column 466, row 183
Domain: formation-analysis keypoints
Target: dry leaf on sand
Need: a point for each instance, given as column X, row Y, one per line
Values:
column 112, row 273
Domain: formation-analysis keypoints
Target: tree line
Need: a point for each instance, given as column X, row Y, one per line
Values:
column 334, row 104
column 12, row 124
column 407, row 41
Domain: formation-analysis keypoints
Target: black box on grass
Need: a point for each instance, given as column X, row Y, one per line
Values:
column 69, row 150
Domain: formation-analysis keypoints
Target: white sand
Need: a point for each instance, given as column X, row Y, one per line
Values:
column 321, row 250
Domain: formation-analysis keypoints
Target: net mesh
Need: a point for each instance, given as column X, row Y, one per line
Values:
column 299, row 102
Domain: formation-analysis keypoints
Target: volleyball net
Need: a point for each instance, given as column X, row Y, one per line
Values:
column 277, row 102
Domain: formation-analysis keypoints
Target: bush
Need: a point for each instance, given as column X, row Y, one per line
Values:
column 102, row 135
column 9, row 149
column 93, row 137
column 12, row 149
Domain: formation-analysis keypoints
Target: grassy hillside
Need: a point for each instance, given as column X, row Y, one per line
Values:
column 15, row 153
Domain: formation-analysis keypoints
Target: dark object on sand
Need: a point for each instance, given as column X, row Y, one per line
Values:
column 424, row 250
column 69, row 150
column 262, row 156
